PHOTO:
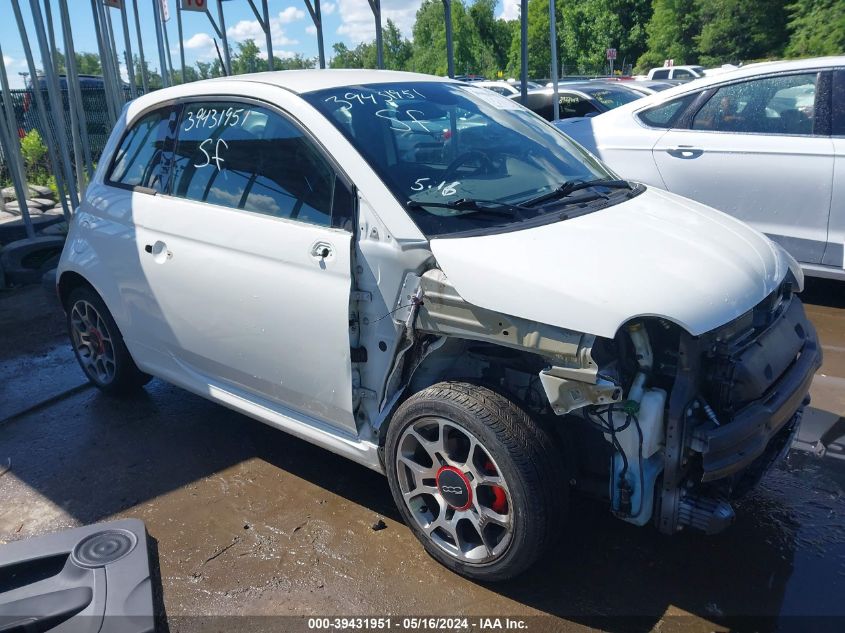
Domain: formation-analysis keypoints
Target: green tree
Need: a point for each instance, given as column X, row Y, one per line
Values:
column 296, row 62
column 539, row 44
column 247, row 59
column 494, row 37
column 86, row 63
column 739, row 30
column 672, row 33
column 153, row 78
column 204, row 70
column 429, row 49
column 588, row 28
column 817, row 28
column 397, row 49
column 345, row 57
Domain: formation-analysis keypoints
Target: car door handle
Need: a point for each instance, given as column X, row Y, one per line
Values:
column 684, row 151
column 158, row 251
column 322, row 250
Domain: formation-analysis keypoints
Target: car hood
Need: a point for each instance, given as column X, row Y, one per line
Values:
column 657, row 254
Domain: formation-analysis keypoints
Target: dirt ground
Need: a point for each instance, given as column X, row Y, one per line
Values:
column 246, row 520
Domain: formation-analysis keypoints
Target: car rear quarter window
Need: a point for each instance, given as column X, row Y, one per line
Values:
column 143, row 157
column 782, row 104
column 666, row 115
column 838, row 101
column 248, row 157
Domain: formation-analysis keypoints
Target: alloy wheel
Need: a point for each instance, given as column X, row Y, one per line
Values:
column 454, row 490
column 92, row 342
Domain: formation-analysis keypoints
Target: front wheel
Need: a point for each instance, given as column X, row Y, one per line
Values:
column 475, row 478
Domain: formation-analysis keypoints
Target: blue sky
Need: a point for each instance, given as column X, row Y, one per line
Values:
column 348, row 21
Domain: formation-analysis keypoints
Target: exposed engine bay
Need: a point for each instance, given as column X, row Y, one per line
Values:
column 669, row 428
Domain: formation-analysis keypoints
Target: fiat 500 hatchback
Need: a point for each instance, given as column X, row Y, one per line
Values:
column 429, row 279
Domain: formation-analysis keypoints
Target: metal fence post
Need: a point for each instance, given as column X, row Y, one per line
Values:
column 523, row 45
column 127, row 45
column 227, row 58
column 162, row 60
column 375, row 5
column 167, row 51
column 317, row 19
column 450, row 51
column 265, row 9
column 553, row 40
column 181, row 45
column 117, row 80
column 78, row 122
column 12, row 150
column 144, row 81
column 105, row 60
column 58, row 164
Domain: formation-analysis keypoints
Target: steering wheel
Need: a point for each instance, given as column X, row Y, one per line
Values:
column 485, row 168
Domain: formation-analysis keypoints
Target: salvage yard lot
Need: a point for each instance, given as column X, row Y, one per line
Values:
column 247, row 520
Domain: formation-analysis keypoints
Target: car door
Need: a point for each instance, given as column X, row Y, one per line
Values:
column 755, row 149
column 247, row 257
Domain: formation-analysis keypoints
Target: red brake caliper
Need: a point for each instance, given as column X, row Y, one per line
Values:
column 500, row 501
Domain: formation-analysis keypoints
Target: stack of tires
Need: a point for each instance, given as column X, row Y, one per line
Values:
column 25, row 260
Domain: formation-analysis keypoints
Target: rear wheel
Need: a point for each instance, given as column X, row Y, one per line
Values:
column 475, row 479
column 99, row 346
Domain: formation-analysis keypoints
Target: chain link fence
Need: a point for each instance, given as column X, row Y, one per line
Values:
column 26, row 117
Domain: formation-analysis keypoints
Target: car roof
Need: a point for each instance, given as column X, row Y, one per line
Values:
column 296, row 81
column 745, row 72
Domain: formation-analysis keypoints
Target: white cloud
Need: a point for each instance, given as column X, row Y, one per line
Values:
column 328, row 8
column 510, row 10
column 358, row 23
column 311, row 30
column 202, row 44
column 199, row 40
column 251, row 30
column 291, row 14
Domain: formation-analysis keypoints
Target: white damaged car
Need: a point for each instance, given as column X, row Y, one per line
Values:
column 429, row 279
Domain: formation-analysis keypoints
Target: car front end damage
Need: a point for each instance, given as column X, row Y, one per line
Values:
column 669, row 427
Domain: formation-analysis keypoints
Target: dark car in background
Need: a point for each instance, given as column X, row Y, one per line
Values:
column 580, row 99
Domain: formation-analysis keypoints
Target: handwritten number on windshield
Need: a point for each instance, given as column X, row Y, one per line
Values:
column 445, row 189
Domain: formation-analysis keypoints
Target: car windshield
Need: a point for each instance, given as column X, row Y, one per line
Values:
column 611, row 97
column 442, row 147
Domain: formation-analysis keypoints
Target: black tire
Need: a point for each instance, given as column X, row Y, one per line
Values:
column 125, row 377
column 525, row 457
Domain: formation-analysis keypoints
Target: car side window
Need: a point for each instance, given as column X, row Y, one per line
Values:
column 573, row 105
column 772, row 105
column 145, row 153
column 660, row 74
column 680, row 73
column 249, row 157
column 667, row 114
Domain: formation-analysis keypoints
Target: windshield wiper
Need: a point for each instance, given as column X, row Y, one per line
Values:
column 490, row 207
column 576, row 185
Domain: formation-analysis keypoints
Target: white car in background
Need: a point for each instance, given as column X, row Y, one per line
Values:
column 681, row 73
column 765, row 143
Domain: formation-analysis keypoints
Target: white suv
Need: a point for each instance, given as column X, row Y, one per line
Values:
column 429, row 279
